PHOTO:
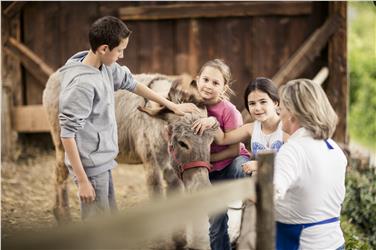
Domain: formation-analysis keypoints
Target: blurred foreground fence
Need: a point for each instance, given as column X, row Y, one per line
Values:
column 134, row 227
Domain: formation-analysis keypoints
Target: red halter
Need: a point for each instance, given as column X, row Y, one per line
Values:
column 188, row 165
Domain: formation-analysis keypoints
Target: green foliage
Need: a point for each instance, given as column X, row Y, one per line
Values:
column 360, row 203
column 362, row 65
column 353, row 236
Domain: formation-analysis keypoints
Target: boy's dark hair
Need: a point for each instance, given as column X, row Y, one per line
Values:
column 107, row 30
column 263, row 84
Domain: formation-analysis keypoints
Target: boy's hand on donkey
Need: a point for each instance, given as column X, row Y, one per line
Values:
column 182, row 108
column 86, row 192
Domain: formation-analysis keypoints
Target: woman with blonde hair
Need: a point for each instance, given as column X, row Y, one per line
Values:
column 310, row 167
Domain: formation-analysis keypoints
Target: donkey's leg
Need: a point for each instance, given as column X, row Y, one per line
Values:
column 174, row 184
column 61, row 208
column 153, row 179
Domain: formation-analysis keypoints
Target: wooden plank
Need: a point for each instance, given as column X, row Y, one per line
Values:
column 265, row 202
column 13, row 8
column 8, row 137
column 158, row 49
column 33, row 63
column 338, row 85
column 181, row 47
column 231, row 43
column 39, row 19
column 304, row 56
column 194, row 44
column 214, row 10
column 30, row 119
column 18, row 91
column 165, row 52
column 132, row 228
column 146, row 46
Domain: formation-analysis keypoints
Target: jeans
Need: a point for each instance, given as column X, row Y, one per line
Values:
column 218, row 234
column 104, row 202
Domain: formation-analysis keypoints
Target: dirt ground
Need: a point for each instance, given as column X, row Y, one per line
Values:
column 27, row 192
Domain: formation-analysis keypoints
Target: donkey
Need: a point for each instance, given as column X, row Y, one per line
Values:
column 162, row 141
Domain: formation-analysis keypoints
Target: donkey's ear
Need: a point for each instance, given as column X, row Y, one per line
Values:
column 160, row 113
column 167, row 133
column 153, row 111
column 194, row 84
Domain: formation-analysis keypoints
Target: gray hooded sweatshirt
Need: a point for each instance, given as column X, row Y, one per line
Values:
column 87, row 111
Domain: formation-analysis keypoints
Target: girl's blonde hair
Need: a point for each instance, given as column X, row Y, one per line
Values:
column 308, row 102
column 225, row 70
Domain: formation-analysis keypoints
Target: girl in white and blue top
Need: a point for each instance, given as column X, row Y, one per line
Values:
column 262, row 102
column 261, row 141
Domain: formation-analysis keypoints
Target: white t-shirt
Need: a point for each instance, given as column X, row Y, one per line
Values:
column 261, row 141
column 309, row 181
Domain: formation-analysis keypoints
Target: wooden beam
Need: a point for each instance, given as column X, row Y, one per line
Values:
column 321, row 76
column 310, row 49
column 13, row 8
column 33, row 63
column 214, row 10
column 30, row 119
column 338, row 83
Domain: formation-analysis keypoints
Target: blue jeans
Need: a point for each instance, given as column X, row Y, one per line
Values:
column 104, row 197
column 218, row 234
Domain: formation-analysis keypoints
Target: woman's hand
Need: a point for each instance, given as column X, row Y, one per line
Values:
column 182, row 108
column 250, row 167
column 200, row 125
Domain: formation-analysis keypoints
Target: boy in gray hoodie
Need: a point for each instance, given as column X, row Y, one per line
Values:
column 87, row 112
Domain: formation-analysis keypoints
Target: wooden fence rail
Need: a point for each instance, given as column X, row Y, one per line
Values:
column 136, row 226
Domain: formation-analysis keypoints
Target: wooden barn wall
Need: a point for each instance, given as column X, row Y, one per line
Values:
column 252, row 46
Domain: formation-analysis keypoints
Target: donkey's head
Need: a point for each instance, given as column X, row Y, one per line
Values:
column 189, row 153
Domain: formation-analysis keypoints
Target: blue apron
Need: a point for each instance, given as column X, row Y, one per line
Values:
column 288, row 235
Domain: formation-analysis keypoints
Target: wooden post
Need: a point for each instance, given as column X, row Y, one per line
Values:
column 248, row 234
column 11, row 87
column 338, row 84
column 265, row 202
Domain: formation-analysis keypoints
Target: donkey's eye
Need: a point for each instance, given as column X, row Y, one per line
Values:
column 183, row 144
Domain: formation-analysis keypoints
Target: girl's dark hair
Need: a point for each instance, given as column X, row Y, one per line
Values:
column 107, row 30
column 263, row 84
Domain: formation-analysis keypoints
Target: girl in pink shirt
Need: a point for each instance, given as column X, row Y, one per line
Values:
column 213, row 84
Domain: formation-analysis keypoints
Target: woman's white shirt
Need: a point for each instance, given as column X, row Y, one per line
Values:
column 309, row 180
